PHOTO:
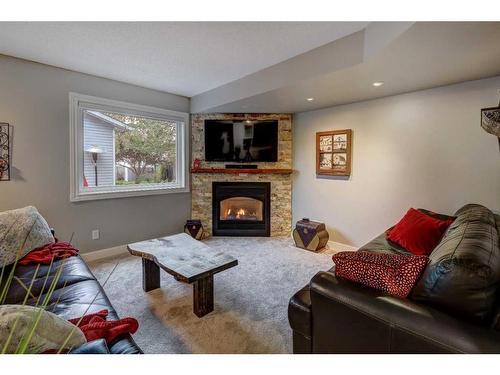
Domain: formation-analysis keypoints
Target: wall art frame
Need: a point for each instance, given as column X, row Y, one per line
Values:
column 334, row 153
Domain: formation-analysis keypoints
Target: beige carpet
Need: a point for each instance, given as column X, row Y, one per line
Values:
column 251, row 299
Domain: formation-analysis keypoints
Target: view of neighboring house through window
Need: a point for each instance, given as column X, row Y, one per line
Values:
column 122, row 149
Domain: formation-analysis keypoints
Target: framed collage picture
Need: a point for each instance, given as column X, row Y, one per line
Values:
column 333, row 153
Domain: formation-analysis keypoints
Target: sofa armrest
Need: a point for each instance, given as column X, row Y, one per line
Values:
column 352, row 318
column 299, row 317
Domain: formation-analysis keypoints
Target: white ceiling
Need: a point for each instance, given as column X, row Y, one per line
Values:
column 185, row 58
column 424, row 55
column 265, row 66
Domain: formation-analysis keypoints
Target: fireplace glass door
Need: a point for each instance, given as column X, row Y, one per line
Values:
column 241, row 208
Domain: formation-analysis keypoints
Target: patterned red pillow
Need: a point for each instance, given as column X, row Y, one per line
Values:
column 394, row 274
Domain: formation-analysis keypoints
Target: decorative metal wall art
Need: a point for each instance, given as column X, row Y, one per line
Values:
column 5, row 154
column 490, row 120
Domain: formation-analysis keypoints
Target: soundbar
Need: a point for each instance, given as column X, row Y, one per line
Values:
column 241, row 166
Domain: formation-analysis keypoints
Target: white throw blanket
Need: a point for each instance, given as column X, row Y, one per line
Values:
column 21, row 231
column 51, row 333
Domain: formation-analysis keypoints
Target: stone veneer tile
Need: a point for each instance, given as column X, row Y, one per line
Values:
column 281, row 185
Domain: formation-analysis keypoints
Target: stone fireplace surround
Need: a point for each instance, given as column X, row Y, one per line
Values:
column 281, row 184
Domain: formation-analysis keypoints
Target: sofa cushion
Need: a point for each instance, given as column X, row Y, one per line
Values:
column 496, row 315
column 87, row 297
column 40, row 277
column 437, row 215
column 52, row 333
column 464, row 269
column 93, row 347
column 394, row 274
column 76, row 293
column 21, row 231
column 417, row 232
column 380, row 244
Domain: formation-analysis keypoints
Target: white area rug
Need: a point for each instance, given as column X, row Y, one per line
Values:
column 251, row 299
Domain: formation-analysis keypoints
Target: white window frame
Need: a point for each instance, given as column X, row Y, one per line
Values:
column 78, row 103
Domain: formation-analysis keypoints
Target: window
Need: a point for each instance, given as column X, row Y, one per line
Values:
column 120, row 149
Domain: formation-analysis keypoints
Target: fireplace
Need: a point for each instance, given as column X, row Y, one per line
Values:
column 241, row 209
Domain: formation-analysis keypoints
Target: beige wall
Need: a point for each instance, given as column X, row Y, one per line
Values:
column 422, row 149
column 34, row 99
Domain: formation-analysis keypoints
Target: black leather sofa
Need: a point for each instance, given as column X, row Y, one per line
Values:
column 76, row 290
column 454, row 307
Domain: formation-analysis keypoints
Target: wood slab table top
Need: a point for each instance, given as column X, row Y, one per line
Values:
column 182, row 256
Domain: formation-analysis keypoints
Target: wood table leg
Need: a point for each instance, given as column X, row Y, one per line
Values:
column 150, row 275
column 203, row 296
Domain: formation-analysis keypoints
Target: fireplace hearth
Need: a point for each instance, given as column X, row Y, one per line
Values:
column 241, row 209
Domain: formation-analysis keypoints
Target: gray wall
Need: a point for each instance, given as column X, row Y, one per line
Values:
column 34, row 99
column 422, row 149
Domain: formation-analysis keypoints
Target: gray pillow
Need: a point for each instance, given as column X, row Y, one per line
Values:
column 50, row 333
column 21, row 231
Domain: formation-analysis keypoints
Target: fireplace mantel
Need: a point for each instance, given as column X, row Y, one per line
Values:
column 242, row 171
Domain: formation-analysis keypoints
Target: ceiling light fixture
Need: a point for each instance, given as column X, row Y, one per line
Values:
column 378, row 83
column 310, row 99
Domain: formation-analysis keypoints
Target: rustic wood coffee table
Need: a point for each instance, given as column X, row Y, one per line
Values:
column 188, row 260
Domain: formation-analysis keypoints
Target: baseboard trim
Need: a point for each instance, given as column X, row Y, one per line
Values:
column 337, row 246
column 104, row 253
column 122, row 249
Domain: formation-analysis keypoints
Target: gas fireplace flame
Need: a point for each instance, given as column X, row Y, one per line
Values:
column 239, row 213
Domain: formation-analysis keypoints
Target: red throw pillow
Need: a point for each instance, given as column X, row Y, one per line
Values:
column 418, row 233
column 395, row 274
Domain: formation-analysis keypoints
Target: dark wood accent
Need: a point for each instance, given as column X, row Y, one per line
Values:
column 348, row 151
column 187, row 260
column 203, row 296
column 150, row 275
column 241, row 171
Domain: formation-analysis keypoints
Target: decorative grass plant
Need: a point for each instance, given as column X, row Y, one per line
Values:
column 41, row 302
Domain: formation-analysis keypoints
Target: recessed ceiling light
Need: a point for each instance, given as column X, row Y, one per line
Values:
column 378, row 83
column 310, row 99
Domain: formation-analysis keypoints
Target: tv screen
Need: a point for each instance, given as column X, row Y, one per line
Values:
column 241, row 141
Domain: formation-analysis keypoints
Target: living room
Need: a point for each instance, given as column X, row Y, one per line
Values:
column 247, row 187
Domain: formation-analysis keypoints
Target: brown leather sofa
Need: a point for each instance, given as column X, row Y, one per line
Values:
column 454, row 307
column 76, row 290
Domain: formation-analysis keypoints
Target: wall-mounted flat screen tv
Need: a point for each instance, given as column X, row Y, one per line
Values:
column 241, row 141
